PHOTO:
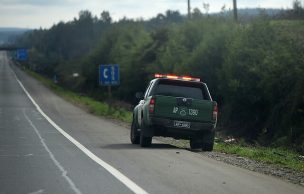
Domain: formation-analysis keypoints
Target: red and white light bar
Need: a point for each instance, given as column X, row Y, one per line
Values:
column 171, row 76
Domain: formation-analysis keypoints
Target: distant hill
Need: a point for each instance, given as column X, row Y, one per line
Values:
column 8, row 34
column 258, row 11
column 250, row 13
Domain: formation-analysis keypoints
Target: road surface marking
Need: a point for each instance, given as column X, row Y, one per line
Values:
column 38, row 192
column 56, row 162
column 116, row 173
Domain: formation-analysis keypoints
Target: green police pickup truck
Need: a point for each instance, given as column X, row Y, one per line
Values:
column 175, row 106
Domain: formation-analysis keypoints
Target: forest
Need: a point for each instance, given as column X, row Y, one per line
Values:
column 254, row 67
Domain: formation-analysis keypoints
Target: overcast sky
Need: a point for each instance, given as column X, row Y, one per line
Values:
column 45, row 13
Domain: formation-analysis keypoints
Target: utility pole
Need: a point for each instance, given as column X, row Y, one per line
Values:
column 189, row 10
column 235, row 11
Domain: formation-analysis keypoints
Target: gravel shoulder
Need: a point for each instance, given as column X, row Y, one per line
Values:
column 283, row 173
column 286, row 174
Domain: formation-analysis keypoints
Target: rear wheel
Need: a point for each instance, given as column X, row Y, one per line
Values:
column 195, row 143
column 208, row 141
column 207, row 147
column 145, row 141
column 134, row 136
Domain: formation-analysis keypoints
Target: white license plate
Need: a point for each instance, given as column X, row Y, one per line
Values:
column 181, row 124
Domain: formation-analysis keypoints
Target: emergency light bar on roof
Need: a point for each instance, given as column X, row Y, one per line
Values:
column 170, row 76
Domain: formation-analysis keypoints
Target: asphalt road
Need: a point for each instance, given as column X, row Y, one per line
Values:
column 48, row 145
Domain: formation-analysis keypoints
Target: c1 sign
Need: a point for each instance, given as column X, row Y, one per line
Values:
column 109, row 75
column 21, row 55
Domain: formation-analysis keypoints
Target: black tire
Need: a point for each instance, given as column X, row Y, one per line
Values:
column 134, row 136
column 195, row 143
column 145, row 141
column 208, row 141
column 207, row 147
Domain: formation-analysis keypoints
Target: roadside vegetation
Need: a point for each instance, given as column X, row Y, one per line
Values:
column 277, row 156
column 254, row 68
column 89, row 104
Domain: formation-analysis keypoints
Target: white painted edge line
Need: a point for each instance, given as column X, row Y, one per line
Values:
column 117, row 174
column 56, row 162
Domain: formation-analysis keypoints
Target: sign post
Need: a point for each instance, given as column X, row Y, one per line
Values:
column 109, row 76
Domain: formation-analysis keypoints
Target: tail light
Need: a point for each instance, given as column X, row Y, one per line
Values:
column 215, row 112
column 151, row 105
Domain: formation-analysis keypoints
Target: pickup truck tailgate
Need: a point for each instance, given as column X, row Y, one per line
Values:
column 179, row 108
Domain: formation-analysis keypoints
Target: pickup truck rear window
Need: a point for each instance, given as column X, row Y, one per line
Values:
column 180, row 89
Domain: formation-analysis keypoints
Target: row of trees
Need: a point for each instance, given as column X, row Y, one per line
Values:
column 255, row 70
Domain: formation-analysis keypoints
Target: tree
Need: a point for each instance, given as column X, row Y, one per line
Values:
column 206, row 7
column 105, row 17
column 173, row 16
column 297, row 8
column 197, row 13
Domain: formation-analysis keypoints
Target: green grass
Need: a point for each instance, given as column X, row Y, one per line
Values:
column 277, row 156
column 91, row 105
column 288, row 23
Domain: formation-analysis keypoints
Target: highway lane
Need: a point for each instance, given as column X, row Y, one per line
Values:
column 27, row 166
column 35, row 157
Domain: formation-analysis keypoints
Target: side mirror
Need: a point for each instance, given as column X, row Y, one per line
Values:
column 139, row 95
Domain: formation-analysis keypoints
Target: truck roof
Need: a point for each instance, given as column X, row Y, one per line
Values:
column 179, row 80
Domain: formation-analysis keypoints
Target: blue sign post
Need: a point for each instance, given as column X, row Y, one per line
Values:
column 109, row 76
column 22, row 55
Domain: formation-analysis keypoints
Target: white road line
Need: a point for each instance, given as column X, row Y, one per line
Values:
column 38, row 192
column 117, row 174
column 56, row 162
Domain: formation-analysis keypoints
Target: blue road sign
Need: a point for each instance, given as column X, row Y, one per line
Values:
column 109, row 75
column 21, row 55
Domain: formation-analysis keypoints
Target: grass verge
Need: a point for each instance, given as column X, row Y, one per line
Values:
column 277, row 156
column 96, row 107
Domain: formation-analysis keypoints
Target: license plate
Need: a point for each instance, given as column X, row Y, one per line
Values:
column 181, row 124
